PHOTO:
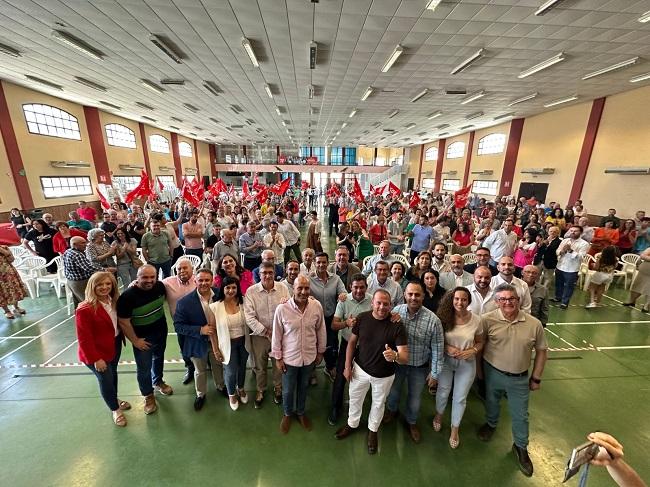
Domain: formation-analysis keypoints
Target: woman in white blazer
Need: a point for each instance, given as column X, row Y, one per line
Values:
column 232, row 338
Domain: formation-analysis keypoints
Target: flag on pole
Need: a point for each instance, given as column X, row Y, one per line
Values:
column 262, row 194
column 356, row 192
column 142, row 190
column 415, row 200
column 102, row 199
column 161, row 186
column 462, row 196
column 256, row 184
column 245, row 190
column 304, row 185
column 372, row 189
column 379, row 190
column 393, row 190
column 281, row 187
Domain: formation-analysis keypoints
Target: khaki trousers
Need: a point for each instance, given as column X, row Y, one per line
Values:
column 260, row 348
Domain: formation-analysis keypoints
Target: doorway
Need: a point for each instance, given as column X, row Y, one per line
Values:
column 538, row 190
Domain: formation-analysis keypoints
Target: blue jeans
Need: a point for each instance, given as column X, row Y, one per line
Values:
column 150, row 363
column 166, row 268
column 565, row 283
column 108, row 379
column 234, row 371
column 517, row 391
column 295, row 382
column 415, row 378
column 461, row 374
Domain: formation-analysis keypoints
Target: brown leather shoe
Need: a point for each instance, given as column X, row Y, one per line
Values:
column 414, row 431
column 389, row 416
column 150, row 405
column 285, row 424
column 372, row 442
column 305, row 422
column 344, row 432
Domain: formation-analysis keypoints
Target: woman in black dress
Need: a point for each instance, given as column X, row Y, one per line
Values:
column 433, row 291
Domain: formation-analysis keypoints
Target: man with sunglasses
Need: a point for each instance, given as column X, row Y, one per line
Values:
column 511, row 336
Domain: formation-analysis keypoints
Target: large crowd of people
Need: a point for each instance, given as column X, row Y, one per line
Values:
column 419, row 294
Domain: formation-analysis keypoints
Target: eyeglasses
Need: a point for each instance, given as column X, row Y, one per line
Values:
column 508, row 300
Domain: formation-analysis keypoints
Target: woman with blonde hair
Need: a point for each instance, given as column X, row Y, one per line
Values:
column 100, row 339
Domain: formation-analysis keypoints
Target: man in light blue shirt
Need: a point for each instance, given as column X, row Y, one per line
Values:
column 422, row 237
column 426, row 345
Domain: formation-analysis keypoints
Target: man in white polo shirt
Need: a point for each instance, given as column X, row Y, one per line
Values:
column 570, row 253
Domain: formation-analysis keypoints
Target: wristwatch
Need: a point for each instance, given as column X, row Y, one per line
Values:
column 535, row 380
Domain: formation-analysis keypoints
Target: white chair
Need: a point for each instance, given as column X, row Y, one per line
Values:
column 469, row 259
column 365, row 261
column 69, row 299
column 27, row 271
column 400, row 258
column 376, row 247
column 52, row 279
column 583, row 271
column 196, row 263
column 18, row 251
column 630, row 266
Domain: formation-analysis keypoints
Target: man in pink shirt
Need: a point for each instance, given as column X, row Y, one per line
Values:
column 193, row 233
column 86, row 212
column 297, row 344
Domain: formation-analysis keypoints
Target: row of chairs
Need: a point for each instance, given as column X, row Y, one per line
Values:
column 628, row 271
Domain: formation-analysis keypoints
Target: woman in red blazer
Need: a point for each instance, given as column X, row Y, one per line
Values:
column 100, row 339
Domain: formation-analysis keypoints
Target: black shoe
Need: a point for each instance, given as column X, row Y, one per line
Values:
column 333, row 417
column 628, row 304
column 372, row 442
column 555, row 300
column 485, row 432
column 344, row 432
column 188, row 377
column 277, row 396
column 259, row 398
column 523, row 460
column 564, row 306
column 199, row 402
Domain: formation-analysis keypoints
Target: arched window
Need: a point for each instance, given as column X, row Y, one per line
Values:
column 185, row 149
column 456, row 150
column 120, row 136
column 431, row 154
column 159, row 143
column 48, row 120
column 491, row 144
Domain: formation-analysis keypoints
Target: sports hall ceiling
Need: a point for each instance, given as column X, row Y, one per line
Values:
column 354, row 39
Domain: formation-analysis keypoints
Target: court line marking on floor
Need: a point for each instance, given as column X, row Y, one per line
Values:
column 35, row 323
column 623, row 347
column 572, row 323
column 35, row 338
column 56, row 355
column 562, row 339
column 16, row 338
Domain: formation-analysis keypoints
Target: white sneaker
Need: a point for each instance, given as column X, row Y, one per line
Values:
column 591, row 305
column 234, row 406
column 243, row 397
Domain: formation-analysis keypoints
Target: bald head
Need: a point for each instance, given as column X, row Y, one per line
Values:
column 482, row 277
column 457, row 263
column 530, row 274
column 301, row 290
column 74, row 241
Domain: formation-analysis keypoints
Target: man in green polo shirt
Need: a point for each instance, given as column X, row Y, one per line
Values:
column 157, row 248
column 142, row 319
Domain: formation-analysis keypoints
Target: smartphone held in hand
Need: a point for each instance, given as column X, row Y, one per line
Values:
column 580, row 455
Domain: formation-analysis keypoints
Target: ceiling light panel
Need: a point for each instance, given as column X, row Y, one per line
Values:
column 246, row 44
column 558, row 58
column 613, row 67
column 367, row 93
column 469, row 61
column 78, row 44
column 560, row 101
column 523, row 99
column 397, row 52
column 473, row 97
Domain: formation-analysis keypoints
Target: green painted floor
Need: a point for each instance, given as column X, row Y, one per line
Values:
column 57, row 431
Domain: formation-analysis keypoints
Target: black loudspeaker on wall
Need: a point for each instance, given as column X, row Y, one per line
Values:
column 206, row 181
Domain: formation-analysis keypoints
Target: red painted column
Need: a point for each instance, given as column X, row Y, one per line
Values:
column 196, row 158
column 277, row 153
column 510, row 160
column 145, row 149
column 13, row 154
column 213, row 159
column 587, row 148
column 177, row 159
column 468, row 158
column 442, row 143
column 97, row 147
column 419, row 179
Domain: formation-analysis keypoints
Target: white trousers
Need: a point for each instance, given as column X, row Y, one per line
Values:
column 358, row 389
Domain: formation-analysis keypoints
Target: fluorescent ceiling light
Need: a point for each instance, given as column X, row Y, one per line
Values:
column 152, row 86
column 393, row 113
column 352, row 113
column 149, row 118
column 190, row 107
column 249, row 50
column 110, row 105
column 89, row 83
column 613, row 67
column 410, row 125
column 523, row 99
column 9, row 51
column 344, row 124
column 367, row 93
column 283, row 123
column 547, row 6
column 144, row 105
column 310, row 92
column 472, row 97
column 338, row 133
column 267, row 88
column 645, row 18
column 397, row 52
column 78, row 44
column 443, row 126
column 172, row 81
column 419, row 95
column 161, row 43
column 433, row 4
column 467, row 127
column 467, row 62
column 212, row 87
column 559, row 57
column 442, row 134
column 278, row 111
column 175, row 119
column 641, row 77
column 560, row 101
column 433, row 115
column 474, row 115
column 505, row 115
column 44, row 82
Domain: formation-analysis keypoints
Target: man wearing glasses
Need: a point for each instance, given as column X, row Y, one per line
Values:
column 511, row 336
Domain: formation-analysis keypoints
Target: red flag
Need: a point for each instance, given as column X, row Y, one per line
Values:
column 333, row 191
column 461, row 196
column 188, row 195
column 304, row 185
column 142, row 190
column 221, row 186
column 105, row 204
column 415, row 200
column 262, row 194
column 256, row 184
column 372, row 189
column 161, row 187
column 393, row 190
column 245, row 190
column 281, row 187
column 378, row 191
column 356, row 192
column 231, row 190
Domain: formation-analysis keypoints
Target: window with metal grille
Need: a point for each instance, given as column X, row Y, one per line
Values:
column 451, row 184
column 350, row 158
column 52, row 121
column 159, row 143
column 126, row 182
column 456, row 150
column 167, row 181
column 185, row 149
column 431, row 154
column 320, row 153
column 491, row 144
column 62, row 186
column 485, row 187
column 428, row 183
column 120, row 136
column 336, row 155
